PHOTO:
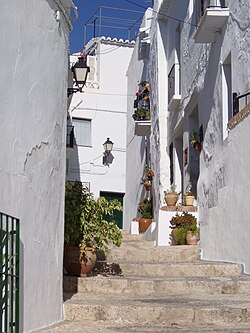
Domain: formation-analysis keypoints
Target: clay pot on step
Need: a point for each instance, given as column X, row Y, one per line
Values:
column 79, row 261
column 144, row 223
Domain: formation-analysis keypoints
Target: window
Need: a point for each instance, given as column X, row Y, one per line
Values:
column 82, row 129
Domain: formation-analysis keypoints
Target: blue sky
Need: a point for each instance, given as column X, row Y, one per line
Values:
column 86, row 9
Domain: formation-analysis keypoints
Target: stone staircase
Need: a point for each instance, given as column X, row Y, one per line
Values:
column 161, row 290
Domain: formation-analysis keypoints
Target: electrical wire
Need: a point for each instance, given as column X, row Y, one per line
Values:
column 171, row 17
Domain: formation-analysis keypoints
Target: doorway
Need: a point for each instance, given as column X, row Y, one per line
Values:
column 117, row 215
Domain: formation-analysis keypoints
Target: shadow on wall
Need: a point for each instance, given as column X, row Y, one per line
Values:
column 72, row 161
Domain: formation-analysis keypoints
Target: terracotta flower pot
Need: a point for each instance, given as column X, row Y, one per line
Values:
column 144, row 224
column 174, row 238
column 189, row 200
column 192, row 238
column 197, row 147
column 148, row 187
column 171, row 199
column 78, row 261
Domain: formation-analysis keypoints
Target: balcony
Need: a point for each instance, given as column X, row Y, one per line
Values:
column 213, row 15
column 69, row 140
column 174, row 96
column 142, row 127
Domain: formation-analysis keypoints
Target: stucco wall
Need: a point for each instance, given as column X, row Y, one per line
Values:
column 106, row 107
column 33, row 105
column 224, row 181
column 223, row 160
column 136, row 157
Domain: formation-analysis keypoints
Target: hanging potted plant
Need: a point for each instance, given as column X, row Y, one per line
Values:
column 146, row 211
column 148, row 177
column 86, row 231
column 171, row 196
column 194, row 141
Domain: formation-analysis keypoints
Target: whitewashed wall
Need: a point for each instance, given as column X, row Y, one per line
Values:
column 33, row 104
column 224, row 159
column 107, row 109
column 136, row 158
column 224, row 181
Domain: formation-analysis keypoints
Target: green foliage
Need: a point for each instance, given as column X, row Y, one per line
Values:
column 84, row 222
column 181, row 235
column 142, row 114
column 145, row 208
column 185, row 219
column 184, row 223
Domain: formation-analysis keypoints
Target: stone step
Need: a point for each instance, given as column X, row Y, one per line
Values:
column 157, row 286
column 135, row 245
column 103, row 327
column 199, row 268
column 199, row 309
column 130, row 237
column 127, row 253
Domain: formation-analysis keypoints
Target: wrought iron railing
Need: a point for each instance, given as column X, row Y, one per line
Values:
column 236, row 101
column 9, row 274
column 204, row 4
column 70, row 136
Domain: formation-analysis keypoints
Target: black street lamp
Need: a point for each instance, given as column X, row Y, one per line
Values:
column 107, row 157
column 108, row 146
column 80, row 72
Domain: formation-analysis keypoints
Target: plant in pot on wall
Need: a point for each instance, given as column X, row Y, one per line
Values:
column 148, row 177
column 189, row 198
column 194, row 141
column 86, row 232
column 142, row 113
column 145, row 209
column 171, row 196
column 185, row 229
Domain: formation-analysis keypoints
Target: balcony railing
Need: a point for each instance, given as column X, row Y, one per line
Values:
column 9, row 273
column 211, row 4
column 211, row 17
column 70, row 137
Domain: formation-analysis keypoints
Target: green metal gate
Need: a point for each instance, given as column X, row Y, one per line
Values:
column 9, row 274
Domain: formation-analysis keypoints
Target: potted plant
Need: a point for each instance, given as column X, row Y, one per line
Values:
column 148, row 177
column 189, row 199
column 184, row 228
column 86, row 231
column 146, row 211
column 142, row 103
column 142, row 113
column 193, row 138
column 171, row 196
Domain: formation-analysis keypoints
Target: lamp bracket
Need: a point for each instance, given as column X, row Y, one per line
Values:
column 73, row 90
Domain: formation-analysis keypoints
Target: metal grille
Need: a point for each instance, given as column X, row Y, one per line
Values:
column 9, row 275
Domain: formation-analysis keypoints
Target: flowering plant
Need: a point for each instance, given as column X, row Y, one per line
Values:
column 141, row 103
column 148, row 177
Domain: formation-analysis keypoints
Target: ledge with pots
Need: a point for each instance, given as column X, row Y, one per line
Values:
column 166, row 213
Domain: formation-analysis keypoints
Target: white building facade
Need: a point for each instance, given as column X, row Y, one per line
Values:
column 199, row 66
column 99, row 113
column 33, row 99
column 138, row 141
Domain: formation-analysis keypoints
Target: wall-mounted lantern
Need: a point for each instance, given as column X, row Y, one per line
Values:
column 80, row 72
column 108, row 146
